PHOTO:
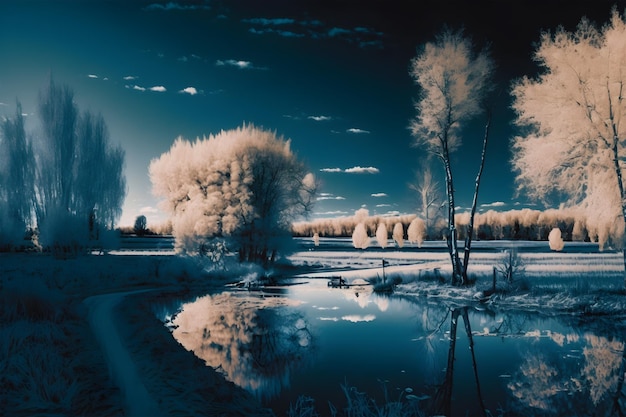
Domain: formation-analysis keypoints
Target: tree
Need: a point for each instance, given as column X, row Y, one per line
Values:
column 17, row 180
column 430, row 200
column 80, row 182
column 243, row 187
column 360, row 238
column 416, row 231
column 572, row 145
column 453, row 81
column 381, row 235
column 555, row 240
column 398, row 234
column 140, row 226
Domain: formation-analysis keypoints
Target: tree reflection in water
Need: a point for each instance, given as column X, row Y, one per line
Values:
column 571, row 374
column 588, row 385
column 251, row 338
column 442, row 400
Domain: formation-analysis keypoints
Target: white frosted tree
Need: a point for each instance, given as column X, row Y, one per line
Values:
column 80, row 182
column 241, row 187
column 17, row 181
column 453, row 82
column 573, row 143
column 316, row 239
column 430, row 199
column 360, row 238
column 416, row 231
column 555, row 240
column 381, row 235
column 398, row 234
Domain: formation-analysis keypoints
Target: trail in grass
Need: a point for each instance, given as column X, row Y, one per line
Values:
column 138, row 401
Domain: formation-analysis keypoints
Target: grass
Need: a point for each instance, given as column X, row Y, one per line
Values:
column 46, row 365
column 359, row 404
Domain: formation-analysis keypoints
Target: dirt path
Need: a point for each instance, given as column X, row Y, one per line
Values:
column 137, row 400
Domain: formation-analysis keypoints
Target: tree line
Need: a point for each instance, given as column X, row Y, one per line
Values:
column 522, row 224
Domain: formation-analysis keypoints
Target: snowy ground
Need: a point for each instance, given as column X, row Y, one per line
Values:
column 40, row 292
column 580, row 279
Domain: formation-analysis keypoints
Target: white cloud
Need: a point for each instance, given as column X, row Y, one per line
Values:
column 158, row 88
column 353, row 170
column 383, row 205
column 189, row 90
column 331, row 213
column 183, row 59
column 393, row 213
column 3, row 104
column 130, row 78
column 149, row 210
column 234, row 63
column 379, row 195
column 494, row 204
column 328, row 196
column 92, row 76
column 357, row 130
column 362, row 170
column 172, row 5
column 320, row 118
column 136, row 87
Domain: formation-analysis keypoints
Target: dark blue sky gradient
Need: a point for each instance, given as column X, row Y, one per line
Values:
column 345, row 60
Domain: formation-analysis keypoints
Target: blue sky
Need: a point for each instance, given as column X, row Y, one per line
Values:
column 330, row 75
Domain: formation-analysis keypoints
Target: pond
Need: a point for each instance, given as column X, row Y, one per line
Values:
column 307, row 339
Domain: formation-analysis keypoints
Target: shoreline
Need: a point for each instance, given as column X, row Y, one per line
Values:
column 168, row 368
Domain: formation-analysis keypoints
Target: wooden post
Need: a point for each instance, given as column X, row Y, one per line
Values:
column 384, row 278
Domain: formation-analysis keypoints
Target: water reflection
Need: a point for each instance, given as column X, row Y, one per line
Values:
column 441, row 403
column 586, row 384
column 310, row 339
column 252, row 338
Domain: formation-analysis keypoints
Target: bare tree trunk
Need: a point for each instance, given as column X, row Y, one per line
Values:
column 616, row 164
column 470, row 226
column 457, row 271
column 620, row 184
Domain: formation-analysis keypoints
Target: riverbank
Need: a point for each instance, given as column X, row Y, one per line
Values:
column 51, row 362
column 50, row 359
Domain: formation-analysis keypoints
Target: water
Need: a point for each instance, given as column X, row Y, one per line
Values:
column 309, row 339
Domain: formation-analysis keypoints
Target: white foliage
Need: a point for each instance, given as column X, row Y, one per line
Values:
column 360, row 239
column 416, row 231
column 453, row 80
column 572, row 118
column 361, row 215
column 243, row 184
column 555, row 240
column 381, row 235
column 398, row 234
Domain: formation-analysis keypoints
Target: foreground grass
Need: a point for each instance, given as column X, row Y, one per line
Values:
column 50, row 363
